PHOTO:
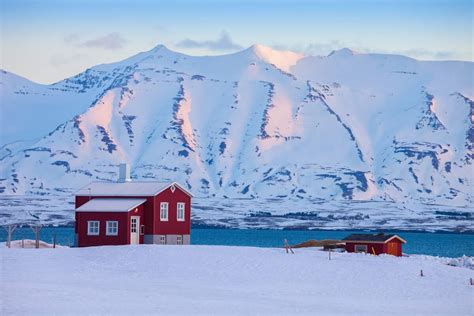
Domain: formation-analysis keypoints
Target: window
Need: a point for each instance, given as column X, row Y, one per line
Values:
column 180, row 212
column 142, row 230
column 93, row 228
column 179, row 240
column 112, row 228
column 164, row 211
column 133, row 225
column 360, row 248
column 162, row 240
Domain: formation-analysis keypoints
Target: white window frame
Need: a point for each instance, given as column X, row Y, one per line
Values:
column 360, row 250
column 164, row 209
column 179, row 240
column 183, row 206
column 163, row 240
column 108, row 226
column 91, row 232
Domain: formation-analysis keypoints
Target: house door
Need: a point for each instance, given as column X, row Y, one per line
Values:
column 392, row 248
column 134, row 235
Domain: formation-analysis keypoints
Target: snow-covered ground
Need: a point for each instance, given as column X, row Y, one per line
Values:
column 210, row 280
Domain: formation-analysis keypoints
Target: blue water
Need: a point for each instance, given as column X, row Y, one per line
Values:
column 436, row 244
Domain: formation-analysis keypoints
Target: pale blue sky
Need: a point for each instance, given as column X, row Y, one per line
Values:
column 46, row 41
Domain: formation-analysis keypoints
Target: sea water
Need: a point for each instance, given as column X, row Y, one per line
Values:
column 435, row 244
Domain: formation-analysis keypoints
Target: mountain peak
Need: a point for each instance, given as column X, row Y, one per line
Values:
column 283, row 60
column 343, row 52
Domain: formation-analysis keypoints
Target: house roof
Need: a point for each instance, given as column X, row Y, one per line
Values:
column 126, row 188
column 378, row 238
column 110, row 205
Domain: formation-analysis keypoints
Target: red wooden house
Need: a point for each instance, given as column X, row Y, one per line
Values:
column 125, row 212
column 375, row 244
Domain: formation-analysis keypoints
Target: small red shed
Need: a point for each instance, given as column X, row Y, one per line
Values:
column 126, row 212
column 375, row 244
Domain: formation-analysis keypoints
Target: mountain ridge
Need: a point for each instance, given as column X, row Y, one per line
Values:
column 238, row 125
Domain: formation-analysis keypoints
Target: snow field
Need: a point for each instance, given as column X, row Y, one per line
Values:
column 217, row 280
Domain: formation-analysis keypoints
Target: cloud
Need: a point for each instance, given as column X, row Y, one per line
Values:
column 223, row 43
column 112, row 41
column 314, row 49
column 325, row 48
column 421, row 53
column 73, row 37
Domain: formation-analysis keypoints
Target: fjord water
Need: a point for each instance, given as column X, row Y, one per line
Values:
column 435, row 244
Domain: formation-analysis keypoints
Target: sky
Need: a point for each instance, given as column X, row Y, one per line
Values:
column 47, row 41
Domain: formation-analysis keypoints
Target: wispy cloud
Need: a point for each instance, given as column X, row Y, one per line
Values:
column 71, row 38
column 325, row 48
column 111, row 41
column 223, row 43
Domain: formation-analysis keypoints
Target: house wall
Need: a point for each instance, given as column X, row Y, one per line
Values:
column 172, row 226
column 395, row 249
column 123, row 218
column 148, row 208
column 379, row 248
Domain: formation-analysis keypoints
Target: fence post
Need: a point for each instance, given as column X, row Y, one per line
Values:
column 10, row 229
column 287, row 246
column 36, row 229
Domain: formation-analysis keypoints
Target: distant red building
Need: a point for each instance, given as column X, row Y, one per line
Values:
column 374, row 244
column 125, row 212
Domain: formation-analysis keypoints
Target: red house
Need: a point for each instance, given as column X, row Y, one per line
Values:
column 125, row 212
column 375, row 244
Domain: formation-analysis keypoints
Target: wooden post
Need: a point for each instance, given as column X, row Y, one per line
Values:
column 330, row 253
column 36, row 229
column 23, row 243
column 10, row 229
column 287, row 246
column 54, row 241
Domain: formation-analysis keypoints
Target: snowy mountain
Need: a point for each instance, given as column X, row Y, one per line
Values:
column 258, row 123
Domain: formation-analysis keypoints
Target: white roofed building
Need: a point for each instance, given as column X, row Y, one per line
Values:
column 127, row 212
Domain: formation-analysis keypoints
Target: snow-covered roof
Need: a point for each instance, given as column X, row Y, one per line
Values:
column 110, row 205
column 372, row 238
column 126, row 188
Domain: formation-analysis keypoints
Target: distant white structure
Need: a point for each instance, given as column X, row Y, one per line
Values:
column 124, row 172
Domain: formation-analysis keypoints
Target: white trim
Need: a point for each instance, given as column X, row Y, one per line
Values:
column 365, row 246
column 176, row 185
column 108, row 226
column 180, row 219
column 89, row 226
column 396, row 236
column 163, row 208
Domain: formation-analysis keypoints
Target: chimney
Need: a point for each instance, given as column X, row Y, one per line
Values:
column 124, row 172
